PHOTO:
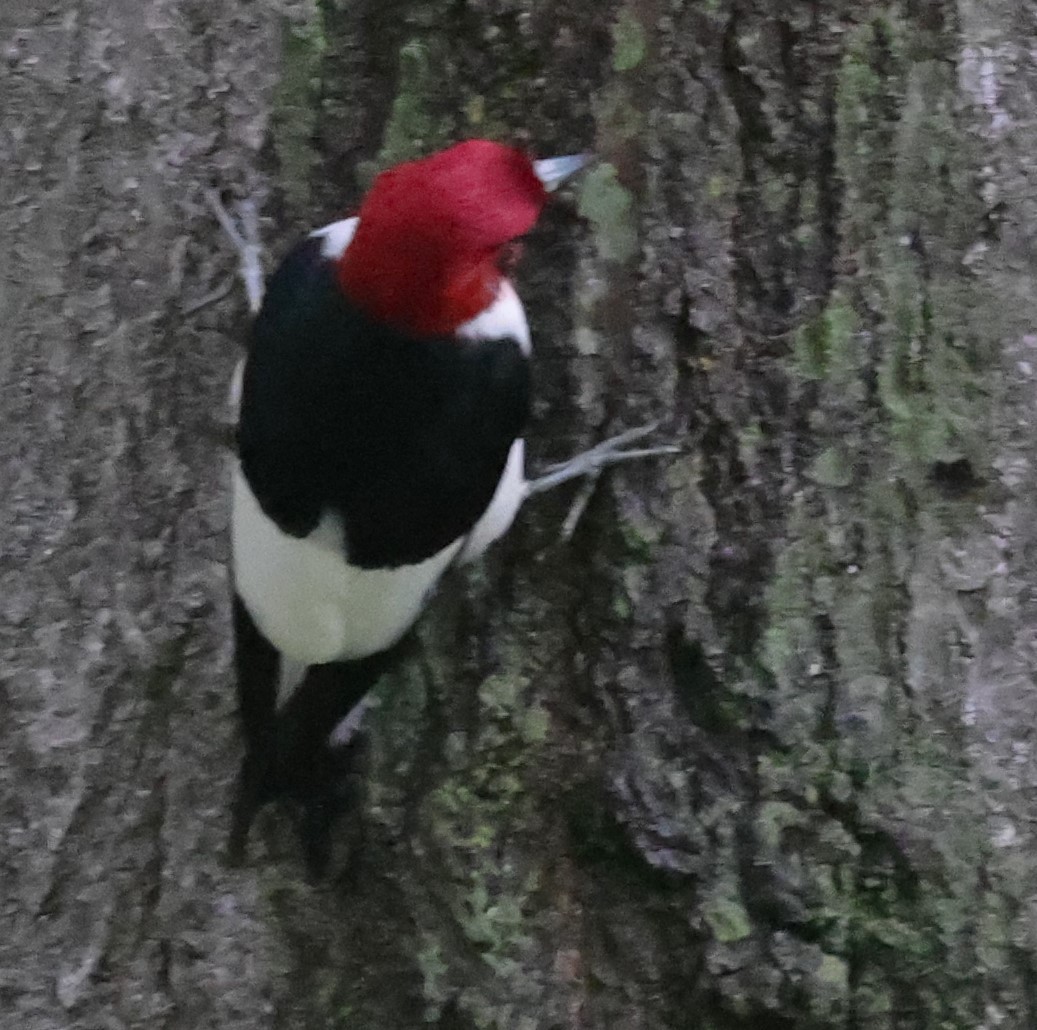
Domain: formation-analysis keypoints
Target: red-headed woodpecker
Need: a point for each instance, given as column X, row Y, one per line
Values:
column 382, row 406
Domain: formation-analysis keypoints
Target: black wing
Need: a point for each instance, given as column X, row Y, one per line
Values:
column 405, row 438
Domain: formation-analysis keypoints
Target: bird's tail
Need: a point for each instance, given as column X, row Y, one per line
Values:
column 299, row 756
column 307, row 745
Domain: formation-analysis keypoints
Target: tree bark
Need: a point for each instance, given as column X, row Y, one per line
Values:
column 752, row 747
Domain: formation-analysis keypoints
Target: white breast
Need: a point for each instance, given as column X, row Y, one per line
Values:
column 306, row 598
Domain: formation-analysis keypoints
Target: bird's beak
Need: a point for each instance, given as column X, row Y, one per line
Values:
column 552, row 171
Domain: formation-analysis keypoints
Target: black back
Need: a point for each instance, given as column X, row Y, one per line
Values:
column 405, row 438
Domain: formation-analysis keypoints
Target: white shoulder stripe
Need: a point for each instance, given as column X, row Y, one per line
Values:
column 336, row 236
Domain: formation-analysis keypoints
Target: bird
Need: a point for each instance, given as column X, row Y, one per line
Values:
column 382, row 407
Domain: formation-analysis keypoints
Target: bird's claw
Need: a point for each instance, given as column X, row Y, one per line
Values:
column 610, row 445
column 592, row 461
column 243, row 231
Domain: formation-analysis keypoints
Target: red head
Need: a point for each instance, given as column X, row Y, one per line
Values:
column 426, row 254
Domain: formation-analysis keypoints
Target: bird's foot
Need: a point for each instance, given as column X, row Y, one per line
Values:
column 589, row 466
column 592, row 461
column 242, row 229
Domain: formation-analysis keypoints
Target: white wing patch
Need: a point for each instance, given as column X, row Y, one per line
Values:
column 306, row 598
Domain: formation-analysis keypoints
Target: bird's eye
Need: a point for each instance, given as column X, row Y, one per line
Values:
column 509, row 255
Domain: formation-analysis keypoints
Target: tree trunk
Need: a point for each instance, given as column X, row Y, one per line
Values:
column 751, row 748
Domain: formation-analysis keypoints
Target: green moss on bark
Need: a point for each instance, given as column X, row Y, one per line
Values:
column 295, row 106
